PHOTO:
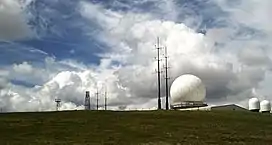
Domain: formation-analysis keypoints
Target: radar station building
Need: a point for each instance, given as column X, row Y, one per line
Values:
column 188, row 93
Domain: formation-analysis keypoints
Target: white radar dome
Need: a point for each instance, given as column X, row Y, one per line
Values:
column 187, row 88
column 254, row 104
column 265, row 106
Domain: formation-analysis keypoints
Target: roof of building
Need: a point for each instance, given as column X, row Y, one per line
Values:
column 227, row 106
column 217, row 107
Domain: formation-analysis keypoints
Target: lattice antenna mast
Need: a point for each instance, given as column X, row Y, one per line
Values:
column 166, row 67
column 58, row 101
column 96, row 94
column 87, row 101
column 159, row 72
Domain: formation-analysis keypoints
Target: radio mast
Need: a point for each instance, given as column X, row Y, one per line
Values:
column 159, row 73
column 105, row 98
column 96, row 99
column 166, row 80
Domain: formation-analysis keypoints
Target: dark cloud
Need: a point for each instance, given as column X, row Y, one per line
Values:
column 14, row 23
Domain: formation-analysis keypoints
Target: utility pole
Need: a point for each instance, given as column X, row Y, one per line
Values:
column 97, row 99
column 105, row 98
column 159, row 73
column 166, row 80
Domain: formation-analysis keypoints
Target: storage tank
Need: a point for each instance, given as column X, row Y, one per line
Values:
column 265, row 106
column 254, row 105
column 187, row 91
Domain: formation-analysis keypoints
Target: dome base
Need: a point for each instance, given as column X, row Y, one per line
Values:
column 189, row 104
column 255, row 110
column 265, row 111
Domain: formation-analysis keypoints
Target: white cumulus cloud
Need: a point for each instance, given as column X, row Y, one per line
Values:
column 127, row 67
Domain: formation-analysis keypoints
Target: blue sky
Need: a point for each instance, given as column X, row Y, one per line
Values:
column 59, row 33
column 46, row 42
column 60, row 29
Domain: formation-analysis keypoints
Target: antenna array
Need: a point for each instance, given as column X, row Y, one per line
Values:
column 158, row 72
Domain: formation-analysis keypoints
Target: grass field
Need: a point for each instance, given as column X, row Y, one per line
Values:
column 139, row 128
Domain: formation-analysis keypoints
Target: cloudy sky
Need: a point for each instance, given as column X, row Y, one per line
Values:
column 59, row 49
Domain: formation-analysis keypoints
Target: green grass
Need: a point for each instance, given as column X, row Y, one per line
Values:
column 139, row 128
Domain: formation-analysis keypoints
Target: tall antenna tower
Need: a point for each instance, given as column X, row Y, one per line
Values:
column 57, row 104
column 159, row 73
column 87, row 103
column 105, row 97
column 166, row 80
column 96, row 99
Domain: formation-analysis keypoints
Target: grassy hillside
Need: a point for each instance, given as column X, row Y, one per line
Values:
column 125, row 128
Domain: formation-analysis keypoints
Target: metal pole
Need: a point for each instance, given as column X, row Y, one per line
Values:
column 166, row 80
column 105, row 97
column 97, row 99
column 159, row 78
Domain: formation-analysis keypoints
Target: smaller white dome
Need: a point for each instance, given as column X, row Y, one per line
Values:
column 254, row 104
column 265, row 106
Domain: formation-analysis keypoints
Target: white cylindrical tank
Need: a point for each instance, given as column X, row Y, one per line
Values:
column 265, row 106
column 187, row 88
column 254, row 104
